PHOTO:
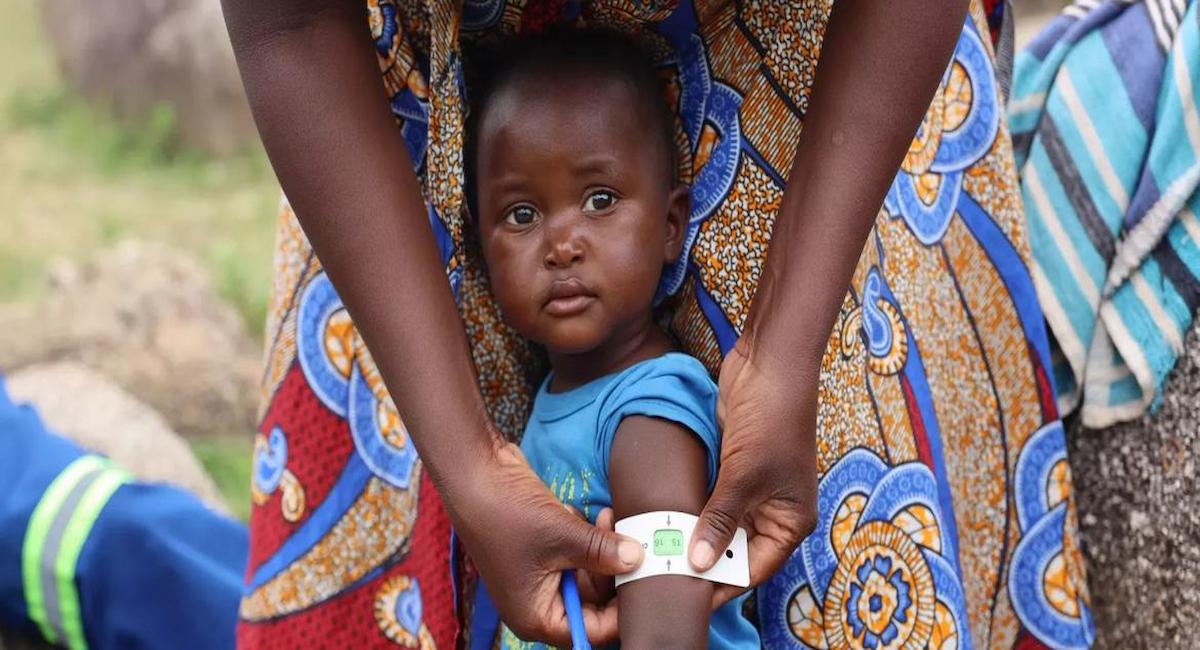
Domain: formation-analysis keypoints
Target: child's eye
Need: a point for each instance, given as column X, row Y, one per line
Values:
column 522, row 215
column 599, row 201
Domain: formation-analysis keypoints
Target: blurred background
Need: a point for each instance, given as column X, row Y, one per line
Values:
column 137, row 219
column 137, row 214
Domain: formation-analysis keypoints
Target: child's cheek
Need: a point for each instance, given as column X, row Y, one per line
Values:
column 517, row 301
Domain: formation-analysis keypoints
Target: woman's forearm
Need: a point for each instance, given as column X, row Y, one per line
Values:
column 880, row 65
column 314, row 87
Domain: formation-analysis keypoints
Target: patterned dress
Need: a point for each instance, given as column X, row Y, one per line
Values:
column 946, row 517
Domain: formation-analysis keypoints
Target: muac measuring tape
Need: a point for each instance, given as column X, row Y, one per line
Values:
column 664, row 536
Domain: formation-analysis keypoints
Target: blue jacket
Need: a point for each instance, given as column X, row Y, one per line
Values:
column 90, row 557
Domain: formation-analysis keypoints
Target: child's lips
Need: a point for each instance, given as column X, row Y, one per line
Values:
column 568, row 297
column 568, row 306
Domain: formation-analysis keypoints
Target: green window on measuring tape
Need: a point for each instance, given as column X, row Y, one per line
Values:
column 668, row 541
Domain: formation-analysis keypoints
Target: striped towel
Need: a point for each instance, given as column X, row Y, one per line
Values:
column 1104, row 122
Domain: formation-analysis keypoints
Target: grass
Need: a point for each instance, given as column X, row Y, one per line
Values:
column 113, row 149
column 227, row 460
column 82, row 183
column 73, row 181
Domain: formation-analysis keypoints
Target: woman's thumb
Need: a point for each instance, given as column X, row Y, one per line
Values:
column 718, row 523
column 597, row 550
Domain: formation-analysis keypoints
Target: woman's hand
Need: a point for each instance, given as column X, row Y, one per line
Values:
column 873, row 86
column 768, row 475
column 521, row 539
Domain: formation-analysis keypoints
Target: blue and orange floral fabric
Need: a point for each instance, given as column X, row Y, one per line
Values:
column 945, row 511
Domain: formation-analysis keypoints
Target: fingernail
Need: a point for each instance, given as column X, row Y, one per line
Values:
column 630, row 553
column 702, row 555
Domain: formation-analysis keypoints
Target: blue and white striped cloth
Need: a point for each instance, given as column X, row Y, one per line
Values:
column 1104, row 122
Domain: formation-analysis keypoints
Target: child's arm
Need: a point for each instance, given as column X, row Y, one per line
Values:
column 656, row 464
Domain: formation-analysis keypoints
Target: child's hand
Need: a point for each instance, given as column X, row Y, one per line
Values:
column 521, row 538
column 767, row 481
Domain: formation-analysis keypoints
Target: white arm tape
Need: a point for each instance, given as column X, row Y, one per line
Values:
column 665, row 536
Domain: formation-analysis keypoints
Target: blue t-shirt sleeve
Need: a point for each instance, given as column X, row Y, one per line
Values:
column 673, row 387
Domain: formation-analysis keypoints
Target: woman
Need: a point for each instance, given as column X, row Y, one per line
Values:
column 918, row 400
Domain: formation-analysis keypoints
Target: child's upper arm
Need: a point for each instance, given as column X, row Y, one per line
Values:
column 657, row 464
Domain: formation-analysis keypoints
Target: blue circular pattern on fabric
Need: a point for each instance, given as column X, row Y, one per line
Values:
column 270, row 463
column 714, row 179
column 972, row 139
column 875, row 323
column 695, row 84
column 387, row 34
column 408, row 608
column 703, row 101
column 317, row 304
column 889, row 491
column 958, row 149
column 387, row 461
column 927, row 222
column 481, row 14
column 1039, row 545
column 1039, row 455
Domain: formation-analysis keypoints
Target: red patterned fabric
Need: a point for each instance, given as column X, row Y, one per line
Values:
column 367, row 609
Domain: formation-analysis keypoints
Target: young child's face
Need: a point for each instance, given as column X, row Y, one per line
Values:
column 577, row 215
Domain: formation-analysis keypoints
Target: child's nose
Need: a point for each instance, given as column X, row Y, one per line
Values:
column 564, row 247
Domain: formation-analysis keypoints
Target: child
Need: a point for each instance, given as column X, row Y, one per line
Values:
column 571, row 160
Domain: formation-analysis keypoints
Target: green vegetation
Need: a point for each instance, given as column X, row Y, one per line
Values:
column 74, row 181
column 71, row 124
column 228, row 462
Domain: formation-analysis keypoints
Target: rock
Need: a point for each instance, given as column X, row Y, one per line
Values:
column 131, row 55
column 86, row 407
column 148, row 318
column 1031, row 15
column 1138, row 491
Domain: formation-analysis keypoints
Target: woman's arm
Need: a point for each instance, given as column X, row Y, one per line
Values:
column 314, row 86
column 880, row 64
column 654, row 465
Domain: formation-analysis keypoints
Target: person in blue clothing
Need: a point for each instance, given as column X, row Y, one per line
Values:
column 578, row 212
column 91, row 558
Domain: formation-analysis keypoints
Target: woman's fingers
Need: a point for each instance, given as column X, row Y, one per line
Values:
column 604, row 520
column 720, row 518
column 724, row 593
column 767, row 477
column 582, row 545
column 522, row 539
column 601, row 622
column 780, row 524
column 599, row 607
column 594, row 589
column 597, row 588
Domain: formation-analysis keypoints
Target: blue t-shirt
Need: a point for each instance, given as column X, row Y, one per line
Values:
column 570, row 435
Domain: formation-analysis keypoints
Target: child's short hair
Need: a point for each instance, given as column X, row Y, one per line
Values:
column 596, row 50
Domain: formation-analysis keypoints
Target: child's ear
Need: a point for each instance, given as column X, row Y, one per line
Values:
column 679, row 211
